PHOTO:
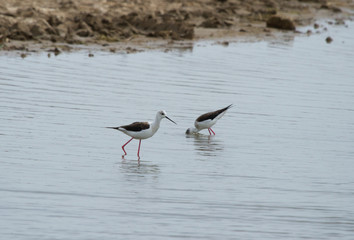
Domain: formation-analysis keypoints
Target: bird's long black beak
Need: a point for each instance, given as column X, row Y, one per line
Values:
column 170, row 120
column 116, row 128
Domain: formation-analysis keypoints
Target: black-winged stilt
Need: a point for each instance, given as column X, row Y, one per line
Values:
column 142, row 130
column 207, row 120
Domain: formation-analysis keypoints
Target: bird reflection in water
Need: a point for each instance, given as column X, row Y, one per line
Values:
column 138, row 168
column 206, row 145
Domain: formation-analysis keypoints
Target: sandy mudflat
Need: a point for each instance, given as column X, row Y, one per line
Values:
column 134, row 25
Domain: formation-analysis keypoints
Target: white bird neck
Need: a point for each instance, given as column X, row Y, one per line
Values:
column 156, row 124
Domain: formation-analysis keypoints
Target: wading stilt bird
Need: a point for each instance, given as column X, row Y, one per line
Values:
column 142, row 130
column 207, row 120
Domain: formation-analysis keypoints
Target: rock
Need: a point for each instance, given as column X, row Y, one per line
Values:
column 329, row 40
column 84, row 30
column 56, row 51
column 339, row 22
column 225, row 43
column 41, row 27
column 83, row 33
column 65, row 48
column 54, row 21
column 324, row 6
column 271, row 4
column 28, row 29
column 228, row 22
column 20, row 31
column 178, row 29
column 154, row 28
column 335, row 9
column 27, row 12
column 67, row 4
column 207, row 14
column 280, row 23
column 212, row 22
column 96, row 22
column 15, row 48
column 5, row 23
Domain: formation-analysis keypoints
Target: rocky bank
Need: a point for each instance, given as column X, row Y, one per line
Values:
column 48, row 24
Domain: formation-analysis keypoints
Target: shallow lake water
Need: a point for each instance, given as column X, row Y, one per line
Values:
column 279, row 167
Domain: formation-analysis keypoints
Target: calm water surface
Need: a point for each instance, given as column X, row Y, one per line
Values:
column 280, row 166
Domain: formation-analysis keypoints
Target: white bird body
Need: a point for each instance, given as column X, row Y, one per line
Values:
column 208, row 123
column 144, row 133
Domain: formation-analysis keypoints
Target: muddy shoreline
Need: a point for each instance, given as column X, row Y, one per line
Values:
column 137, row 25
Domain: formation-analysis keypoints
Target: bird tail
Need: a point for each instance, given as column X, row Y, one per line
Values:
column 225, row 108
column 231, row 105
column 222, row 111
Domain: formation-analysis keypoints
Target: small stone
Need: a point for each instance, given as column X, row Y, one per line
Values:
column 280, row 23
column 225, row 43
column 336, row 9
column 83, row 33
column 339, row 22
column 56, row 51
column 324, row 6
